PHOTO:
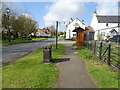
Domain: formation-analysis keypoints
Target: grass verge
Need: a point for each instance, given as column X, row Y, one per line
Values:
column 5, row 42
column 61, row 38
column 30, row 72
column 103, row 75
column 37, row 39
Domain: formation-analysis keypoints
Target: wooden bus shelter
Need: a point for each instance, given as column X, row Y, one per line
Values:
column 80, row 36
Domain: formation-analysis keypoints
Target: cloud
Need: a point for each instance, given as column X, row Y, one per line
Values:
column 63, row 11
column 27, row 15
column 107, row 8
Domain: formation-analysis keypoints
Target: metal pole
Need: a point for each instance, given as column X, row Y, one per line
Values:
column 8, row 26
column 56, row 33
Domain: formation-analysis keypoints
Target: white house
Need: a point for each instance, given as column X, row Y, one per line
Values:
column 71, row 26
column 105, row 26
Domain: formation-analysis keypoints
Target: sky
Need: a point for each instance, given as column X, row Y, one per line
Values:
column 41, row 13
column 47, row 13
column 36, row 10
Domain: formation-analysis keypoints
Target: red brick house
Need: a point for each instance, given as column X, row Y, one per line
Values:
column 43, row 32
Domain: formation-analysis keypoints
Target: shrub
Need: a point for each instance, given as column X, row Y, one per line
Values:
column 74, row 44
column 64, row 36
column 80, row 48
column 73, row 39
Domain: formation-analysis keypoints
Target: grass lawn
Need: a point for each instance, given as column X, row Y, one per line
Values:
column 5, row 42
column 61, row 38
column 37, row 39
column 30, row 72
column 103, row 75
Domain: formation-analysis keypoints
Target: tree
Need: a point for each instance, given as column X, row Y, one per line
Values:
column 60, row 33
column 25, row 25
column 4, row 21
column 52, row 30
column 30, row 26
column 21, row 25
column 4, row 25
column 4, row 18
column 14, row 25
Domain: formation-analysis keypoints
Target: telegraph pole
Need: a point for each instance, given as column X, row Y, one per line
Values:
column 56, row 33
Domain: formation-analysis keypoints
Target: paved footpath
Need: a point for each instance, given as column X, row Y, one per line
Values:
column 72, row 71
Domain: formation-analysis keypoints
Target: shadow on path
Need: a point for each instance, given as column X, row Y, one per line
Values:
column 60, row 60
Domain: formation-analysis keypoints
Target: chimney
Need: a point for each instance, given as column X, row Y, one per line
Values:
column 71, row 19
column 95, row 12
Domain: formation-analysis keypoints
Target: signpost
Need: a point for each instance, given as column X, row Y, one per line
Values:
column 56, row 33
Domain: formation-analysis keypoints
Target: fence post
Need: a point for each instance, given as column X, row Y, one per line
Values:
column 109, row 50
column 88, row 44
column 100, row 48
column 95, row 47
column 91, row 46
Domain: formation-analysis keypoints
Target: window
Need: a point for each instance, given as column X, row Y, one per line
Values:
column 76, row 25
column 106, row 24
column 119, row 25
column 74, row 34
column 103, row 33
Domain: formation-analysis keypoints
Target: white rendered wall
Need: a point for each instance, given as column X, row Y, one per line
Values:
column 98, row 26
column 71, row 27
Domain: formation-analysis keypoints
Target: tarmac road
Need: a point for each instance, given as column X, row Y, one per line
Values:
column 13, row 52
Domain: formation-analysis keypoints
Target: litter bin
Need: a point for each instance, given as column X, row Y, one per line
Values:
column 47, row 54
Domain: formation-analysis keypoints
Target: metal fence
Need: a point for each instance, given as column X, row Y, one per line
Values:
column 106, row 51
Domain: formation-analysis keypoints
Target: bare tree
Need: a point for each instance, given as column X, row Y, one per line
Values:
column 52, row 30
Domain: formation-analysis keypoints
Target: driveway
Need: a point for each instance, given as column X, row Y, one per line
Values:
column 13, row 52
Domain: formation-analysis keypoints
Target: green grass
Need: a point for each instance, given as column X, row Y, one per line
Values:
column 5, row 42
column 103, row 75
column 73, row 39
column 37, row 39
column 30, row 72
column 74, row 44
column 114, row 58
column 61, row 38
